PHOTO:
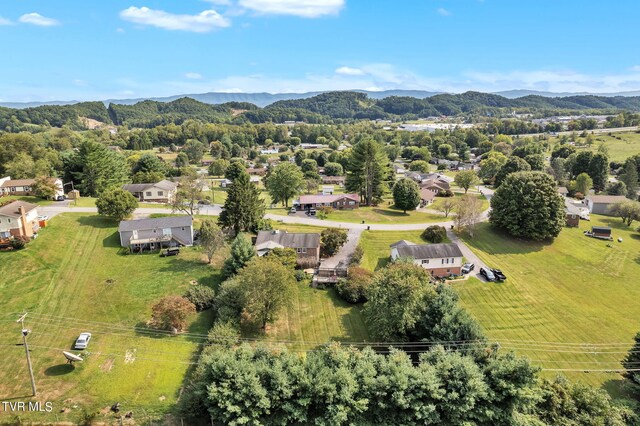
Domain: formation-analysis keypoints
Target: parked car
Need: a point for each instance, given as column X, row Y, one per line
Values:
column 82, row 341
column 487, row 274
column 467, row 267
column 60, row 198
column 293, row 210
column 173, row 251
column 312, row 212
column 499, row 275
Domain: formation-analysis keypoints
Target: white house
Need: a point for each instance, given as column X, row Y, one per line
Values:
column 10, row 186
column 160, row 192
column 441, row 260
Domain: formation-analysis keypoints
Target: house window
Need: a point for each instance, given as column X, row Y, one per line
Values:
column 160, row 193
column 351, row 203
column 443, row 261
column 425, row 261
column 166, row 231
column 13, row 189
column 148, row 193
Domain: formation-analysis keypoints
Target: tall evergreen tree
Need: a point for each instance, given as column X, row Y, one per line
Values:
column 599, row 170
column 97, row 168
column 406, row 194
column 630, row 178
column 367, row 171
column 243, row 207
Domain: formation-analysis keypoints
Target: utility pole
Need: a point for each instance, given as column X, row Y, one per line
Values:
column 25, row 332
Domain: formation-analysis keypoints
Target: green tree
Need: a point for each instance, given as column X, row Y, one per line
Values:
column 468, row 213
column 353, row 289
column 434, row 234
column 491, row 165
column 397, row 298
column 406, row 194
column 44, row 187
column 631, row 364
column 419, row 166
column 513, row 165
column 218, row 167
column 21, row 167
column 310, row 169
column 149, row 163
column 628, row 211
column 97, row 168
column 465, row 179
column 284, row 182
column 147, row 177
column 536, row 161
column 528, row 205
column 182, row 160
column 188, row 194
column 201, row 296
column 194, row 150
column 331, row 240
column 285, row 255
column 267, row 286
column 212, row 238
column 311, row 185
column 583, row 183
column 235, row 169
column 630, row 178
column 116, row 203
column 367, row 170
column 333, row 169
column 243, row 208
column 599, row 170
column 241, row 253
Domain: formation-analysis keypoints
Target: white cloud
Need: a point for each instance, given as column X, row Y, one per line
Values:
column 444, row 12
column 37, row 19
column 302, row 8
column 193, row 76
column 349, row 71
column 4, row 21
column 205, row 21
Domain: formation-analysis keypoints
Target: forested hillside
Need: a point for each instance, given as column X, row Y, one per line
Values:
column 325, row 108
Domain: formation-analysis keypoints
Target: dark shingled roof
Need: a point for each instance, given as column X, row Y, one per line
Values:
column 157, row 223
column 429, row 251
column 13, row 209
column 290, row 240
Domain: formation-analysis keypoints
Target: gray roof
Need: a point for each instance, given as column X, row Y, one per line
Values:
column 429, row 251
column 156, row 223
column 607, row 199
column 290, row 240
column 13, row 208
column 166, row 185
column 402, row 243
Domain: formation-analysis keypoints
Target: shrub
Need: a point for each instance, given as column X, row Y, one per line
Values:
column 445, row 193
column 434, row 234
column 300, row 275
column 353, row 288
column 18, row 243
column 223, row 334
column 201, row 296
column 442, row 167
column 356, row 257
column 171, row 312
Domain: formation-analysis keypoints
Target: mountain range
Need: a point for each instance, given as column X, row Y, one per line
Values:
column 263, row 99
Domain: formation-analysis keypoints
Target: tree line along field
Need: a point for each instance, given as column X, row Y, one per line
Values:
column 573, row 292
column 75, row 278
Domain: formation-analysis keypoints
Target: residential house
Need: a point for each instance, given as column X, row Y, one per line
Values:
column 399, row 170
column 327, row 189
column 602, row 204
column 441, row 260
column 306, row 245
column 427, row 196
column 562, row 190
column 573, row 214
column 333, row 180
column 435, row 185
column 19, row 219
column 10, row 186
column 257, row 171
column 160, row 192
column 337, row 201
column 155, row 234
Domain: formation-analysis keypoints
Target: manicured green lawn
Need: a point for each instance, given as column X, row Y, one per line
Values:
column 380, row 214
column 376, row 246
column 75, row 278
column 439, row 200
column 27, row 198
column 575, row 290
column 91, row 202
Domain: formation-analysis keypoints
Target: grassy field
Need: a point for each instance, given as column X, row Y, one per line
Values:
column 376, row 246
column 76, row 278
column 380, row 214
column 28, row 199
column 620, row 145
column 91, row 202
column 576, row 290
column 439, row 200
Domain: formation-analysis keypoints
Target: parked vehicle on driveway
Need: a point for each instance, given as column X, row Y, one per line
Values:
column 487, row 274
column 312, row 212
column 499, row 275
column 82, row 341
column 293, row 210
column 467, row 267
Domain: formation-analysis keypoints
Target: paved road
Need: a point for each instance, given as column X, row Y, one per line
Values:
column 469, row 255
column 353, row 236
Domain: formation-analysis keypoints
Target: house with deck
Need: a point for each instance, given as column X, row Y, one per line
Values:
column 441, row 260
column 159, row 192
column 156, row 234
column 19, row 219
column 306, row 245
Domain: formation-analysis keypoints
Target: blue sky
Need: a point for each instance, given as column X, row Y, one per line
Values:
column 99, row 49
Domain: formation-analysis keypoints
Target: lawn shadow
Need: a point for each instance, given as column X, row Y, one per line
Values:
column 391, row 211
column 112, row 240
column 59, row 370
column 619, row 388
column 97, row 221
column 382, row 262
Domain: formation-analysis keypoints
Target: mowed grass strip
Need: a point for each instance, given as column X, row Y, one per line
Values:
column 570, row 292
